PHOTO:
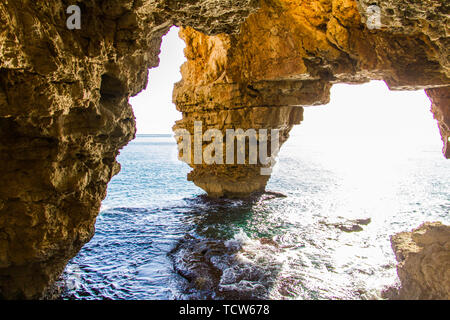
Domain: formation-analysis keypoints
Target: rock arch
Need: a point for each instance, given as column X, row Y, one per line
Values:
column 288, row 54
column 64, row 111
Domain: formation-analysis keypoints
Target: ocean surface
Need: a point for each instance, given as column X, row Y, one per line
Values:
column 159, row 237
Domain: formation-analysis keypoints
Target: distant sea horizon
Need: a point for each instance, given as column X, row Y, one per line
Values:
column 154, row 134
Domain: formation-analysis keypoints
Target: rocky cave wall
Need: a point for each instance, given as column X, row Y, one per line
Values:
column 64, row 116
column 64, row 111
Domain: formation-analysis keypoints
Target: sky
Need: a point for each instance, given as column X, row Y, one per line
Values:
column 357, row 113
column 155, row 113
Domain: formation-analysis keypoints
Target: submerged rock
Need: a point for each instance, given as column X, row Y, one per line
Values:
column 349, row 228
column 350, row 225
column 219, row 269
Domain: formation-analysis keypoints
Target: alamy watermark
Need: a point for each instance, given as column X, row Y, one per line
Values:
column 74, row 20
column 373, row 17
column 235, row 147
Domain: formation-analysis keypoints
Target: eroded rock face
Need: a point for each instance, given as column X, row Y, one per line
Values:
column 428, row 17
column 289, row 54
column 440, row 98
column 64, row 111
column 423, row 257
column 64, row 116
column 239, row 180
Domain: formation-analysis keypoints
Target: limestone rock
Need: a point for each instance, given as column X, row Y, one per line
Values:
column 423, row 257
column 428, row 17
column 289, row 53
column 64, row 111
column 64, row 116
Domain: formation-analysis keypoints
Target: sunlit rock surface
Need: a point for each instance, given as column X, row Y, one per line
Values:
column 424, row 262
column 64, row 111
column 289, row 53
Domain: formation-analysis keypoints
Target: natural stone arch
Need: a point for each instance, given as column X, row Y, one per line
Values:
column 64, row 111
column 288, row 55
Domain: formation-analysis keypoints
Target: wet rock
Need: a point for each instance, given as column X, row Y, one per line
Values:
column 216, row 269
column 349, row 228
column 350, row 225
column 363, row 222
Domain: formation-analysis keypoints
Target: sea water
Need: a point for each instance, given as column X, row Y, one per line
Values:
column 159, row 237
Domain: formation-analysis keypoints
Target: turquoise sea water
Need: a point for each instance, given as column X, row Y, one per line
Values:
column 159, row 237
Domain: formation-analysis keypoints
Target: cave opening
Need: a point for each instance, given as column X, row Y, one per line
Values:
column 66, row 118
column 155, row 113
column 372, row 144
column 344, row 170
